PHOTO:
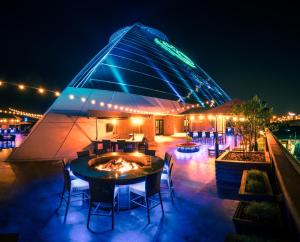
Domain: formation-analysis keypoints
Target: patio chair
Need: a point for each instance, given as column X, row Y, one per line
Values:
column 207, row 137
column 106, row 145
column 128, row 149
column 167, row 161
column 121, row 144
column 145, row 190
column 150, row 152
column 142, row 146
column 83, row 153
column 166, row 178
column 76, row 188
column 200, row 137
column 103, row 193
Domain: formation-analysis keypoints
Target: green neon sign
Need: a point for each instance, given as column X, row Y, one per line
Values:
column 175, row 52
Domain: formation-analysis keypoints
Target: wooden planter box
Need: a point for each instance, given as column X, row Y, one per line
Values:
column 247, row 226
column 249, row 196
column 230, row 171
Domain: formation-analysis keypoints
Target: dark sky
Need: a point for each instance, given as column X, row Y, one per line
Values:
column 249, row 48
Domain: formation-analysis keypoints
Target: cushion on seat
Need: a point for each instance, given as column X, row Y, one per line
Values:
column 138, row 188
column 164, row 176
column 79, row 185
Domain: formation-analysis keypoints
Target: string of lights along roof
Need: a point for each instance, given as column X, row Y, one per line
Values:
column 23, row 87
column 21, row 113
column 120, row 107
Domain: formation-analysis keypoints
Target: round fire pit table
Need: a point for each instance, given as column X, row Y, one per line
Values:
column 188, row 147
column 124, row 168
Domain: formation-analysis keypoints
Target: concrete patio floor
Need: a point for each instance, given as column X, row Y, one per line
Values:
column 29, row 197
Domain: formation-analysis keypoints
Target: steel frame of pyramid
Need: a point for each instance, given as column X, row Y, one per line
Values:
column 131, row 75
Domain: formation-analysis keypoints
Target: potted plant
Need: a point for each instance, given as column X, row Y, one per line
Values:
column 260, row 218
column 255, row 185
column 254, row 116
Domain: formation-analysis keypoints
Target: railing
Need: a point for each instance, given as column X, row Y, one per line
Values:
column 287, row 171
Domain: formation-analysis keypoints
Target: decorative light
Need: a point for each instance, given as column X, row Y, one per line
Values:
column 83, row 99
column 1, row 83
column 41, row 90
column 175, row 52
column 56, row 93
column 21, row 87
column 136, row 121
column 109, row 105
column 116, row 107
column 101, row 104
column 93, row 101
column 71, row 96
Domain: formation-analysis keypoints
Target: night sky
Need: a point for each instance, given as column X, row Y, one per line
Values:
column 250, row 48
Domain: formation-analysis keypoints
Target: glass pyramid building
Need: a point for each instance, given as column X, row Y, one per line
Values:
column 141, row 60
column 139, row 73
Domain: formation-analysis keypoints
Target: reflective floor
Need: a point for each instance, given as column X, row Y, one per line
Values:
column 29, row 197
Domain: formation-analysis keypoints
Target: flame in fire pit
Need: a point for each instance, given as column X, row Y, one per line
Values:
column 120, row 165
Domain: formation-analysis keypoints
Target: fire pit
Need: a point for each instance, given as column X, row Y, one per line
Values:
column 121, row 163
column 124, row 168
column 188, row 147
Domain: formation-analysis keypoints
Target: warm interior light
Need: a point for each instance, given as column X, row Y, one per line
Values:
column 21, row 87
column 192, row 117
column 137, row 121
column 201, row 117
column 114, row 121
column 1, row 83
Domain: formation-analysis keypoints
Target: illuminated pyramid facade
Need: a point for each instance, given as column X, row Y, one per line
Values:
column 141, row 60
column 139, row 73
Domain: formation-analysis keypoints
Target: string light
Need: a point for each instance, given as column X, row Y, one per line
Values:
column 21, row 113
column 22, row 87
column 127, row 109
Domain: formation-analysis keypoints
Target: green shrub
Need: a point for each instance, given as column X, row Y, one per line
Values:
column 262, row 211
column 255, row 175
column 255, row 186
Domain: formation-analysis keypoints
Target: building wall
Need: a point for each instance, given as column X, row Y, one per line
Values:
column 59, row 136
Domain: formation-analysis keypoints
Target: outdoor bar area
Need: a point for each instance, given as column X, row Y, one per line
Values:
column 144, row 136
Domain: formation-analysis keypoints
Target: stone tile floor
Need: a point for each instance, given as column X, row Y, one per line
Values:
column 29, row 197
